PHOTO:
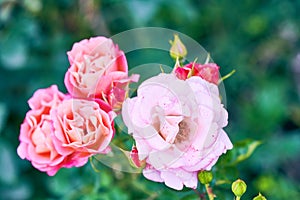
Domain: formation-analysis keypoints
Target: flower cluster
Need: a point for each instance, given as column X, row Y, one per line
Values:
column 64, row 130
column 176, row 120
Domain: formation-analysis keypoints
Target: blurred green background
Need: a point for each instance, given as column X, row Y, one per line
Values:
column 260, row 39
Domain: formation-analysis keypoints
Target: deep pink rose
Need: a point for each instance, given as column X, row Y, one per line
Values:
column 82, row 128
column 97, row 68
column 209, row 71
column 35, row 135
column 178, row 128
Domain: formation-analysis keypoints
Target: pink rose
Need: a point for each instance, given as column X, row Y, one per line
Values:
column 35, row 135
column 177, row 126
column 209, row 72
column 82, row 128
column 97, row 68
column 60, row 131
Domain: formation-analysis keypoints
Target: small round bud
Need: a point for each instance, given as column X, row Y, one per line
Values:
column 238, row 187
column 178, row 49
column 259, row 197
column 205, row 177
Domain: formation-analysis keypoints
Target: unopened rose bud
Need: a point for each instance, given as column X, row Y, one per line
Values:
column 205, row 177
column 135, row 158
column 178, row 49
column 259, row 197
column 238, row 187
column 209, row 72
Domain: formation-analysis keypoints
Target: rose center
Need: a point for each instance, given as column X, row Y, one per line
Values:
column 176, row 133
column 183, row 132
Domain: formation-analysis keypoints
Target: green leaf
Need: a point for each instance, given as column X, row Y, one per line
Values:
column 240, row 152
column 245, row 149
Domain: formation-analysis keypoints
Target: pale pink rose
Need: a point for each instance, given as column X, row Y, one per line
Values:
column 97, row 68
column 177, row 126
column 35, row 135
column 82, row 128
column 209, row 71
